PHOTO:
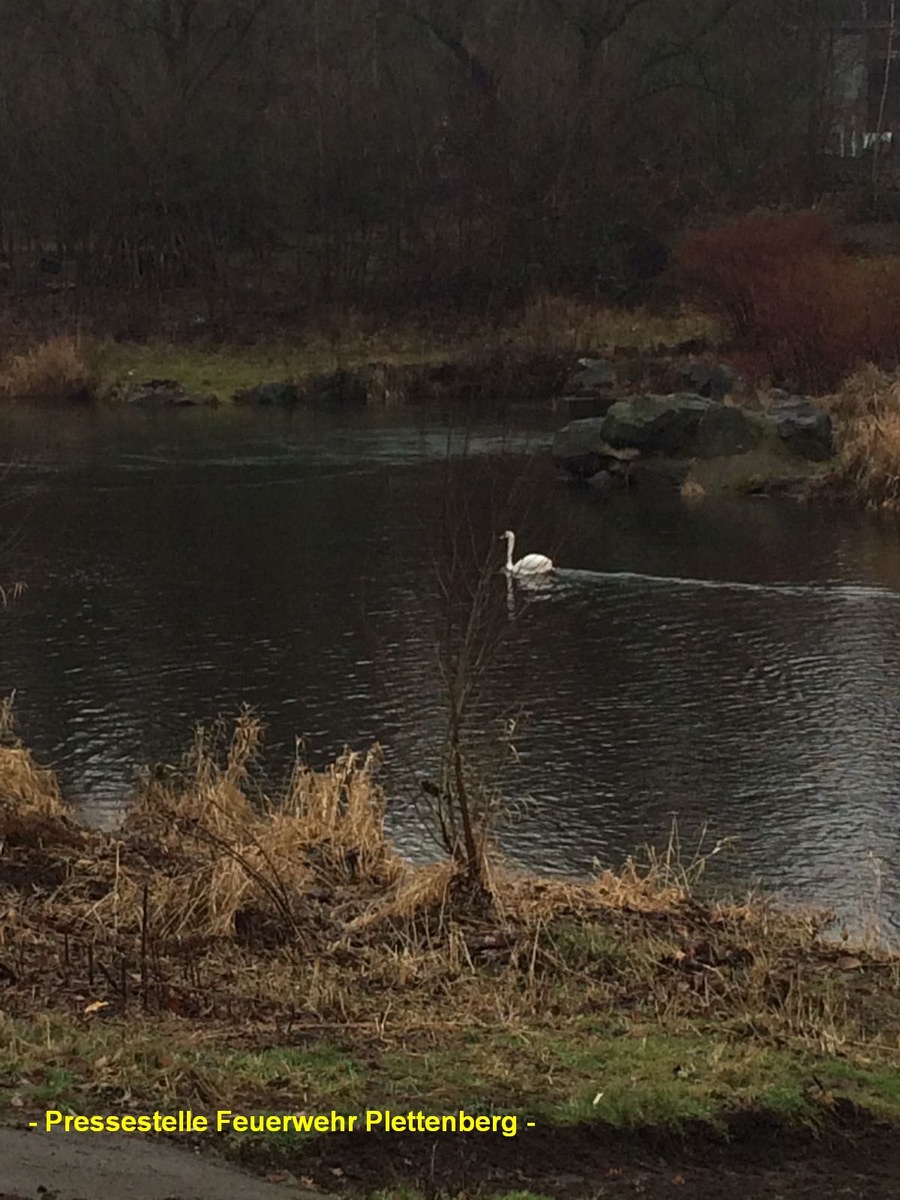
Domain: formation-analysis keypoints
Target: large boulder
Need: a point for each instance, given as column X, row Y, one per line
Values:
column 578, row 447
column 590, row 389
column 713, row 380
column 656, row 424
column 804, row 427
column 269, row 395
column 592, row 375
column 581, row 449
column 725, row 429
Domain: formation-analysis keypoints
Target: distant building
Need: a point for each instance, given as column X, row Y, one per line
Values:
column 867, row 78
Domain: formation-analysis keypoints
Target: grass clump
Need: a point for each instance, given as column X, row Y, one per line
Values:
column 238, row 858
column 866, row 414
column 31, row 804
column 61, row 369
column 549, row 321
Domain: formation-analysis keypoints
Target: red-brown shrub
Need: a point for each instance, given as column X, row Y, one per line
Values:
column 792, row 297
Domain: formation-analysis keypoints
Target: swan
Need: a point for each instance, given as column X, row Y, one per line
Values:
column 531, row 564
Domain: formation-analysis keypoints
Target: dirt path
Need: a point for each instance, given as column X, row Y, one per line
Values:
column 38, row 1166
column 759, row 1162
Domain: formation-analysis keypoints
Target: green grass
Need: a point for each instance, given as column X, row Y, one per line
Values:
column 228, row 369
column 549, row 324
column 620, row 1076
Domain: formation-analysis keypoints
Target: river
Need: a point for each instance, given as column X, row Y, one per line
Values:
column 732, row 666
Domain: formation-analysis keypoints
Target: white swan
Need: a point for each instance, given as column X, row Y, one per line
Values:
column 531, row 564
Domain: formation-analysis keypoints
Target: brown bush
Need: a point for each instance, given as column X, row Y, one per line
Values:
column 866, row 415
column 792, row 298
column 64, row 368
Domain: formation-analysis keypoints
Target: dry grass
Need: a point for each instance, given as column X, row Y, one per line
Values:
column 567, row 323
column 231, row 948
column 61, row 369
column 10, row 592
column 30, row 799
column 251, row 916
column 866, row 415
column 236, row 854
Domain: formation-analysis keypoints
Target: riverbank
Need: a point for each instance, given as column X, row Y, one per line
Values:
column 657, row 373
column 57, row 364
column 225, row 952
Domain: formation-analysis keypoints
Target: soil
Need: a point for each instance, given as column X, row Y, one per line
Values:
column 855, row 1158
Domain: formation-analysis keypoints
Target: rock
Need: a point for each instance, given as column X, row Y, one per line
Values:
column 616, row 474
column 696, row 345
column 768, row 469
column 374, row 383
column 593, row 375
column 337, row 389
column 725, row 429
column 707, row 379
column 581, row 449
column 692, row 490
column 660, row 476
column 588, row 390
column 656, row 424
column 579, row 446
column 269, row 395
column 166, row 393
column 647, row 373
column 804, row 428
column 601, row 482
column 577, row 407
column 497, row 374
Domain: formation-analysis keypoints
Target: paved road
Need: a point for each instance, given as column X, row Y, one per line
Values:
column 88, row 1166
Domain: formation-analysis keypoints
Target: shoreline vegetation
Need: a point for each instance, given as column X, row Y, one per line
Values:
column 63, row 366
column 773, row 303
column 229, row 949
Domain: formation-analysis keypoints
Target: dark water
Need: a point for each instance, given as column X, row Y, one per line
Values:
column 735, row 665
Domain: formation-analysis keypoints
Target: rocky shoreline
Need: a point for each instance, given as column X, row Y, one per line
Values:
column 692, row 438
column 674, row 415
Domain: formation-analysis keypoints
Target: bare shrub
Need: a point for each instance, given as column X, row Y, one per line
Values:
column 730, row 267
column 793, row 299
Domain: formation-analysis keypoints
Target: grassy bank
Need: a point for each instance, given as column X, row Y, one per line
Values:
column 67, row 367
column 230, row 950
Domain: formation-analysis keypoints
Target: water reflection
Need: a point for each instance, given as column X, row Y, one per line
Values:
column 735, row 664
